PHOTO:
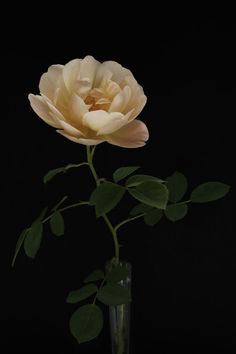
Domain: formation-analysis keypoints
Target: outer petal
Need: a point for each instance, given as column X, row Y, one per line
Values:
column 138, row 98
column 132, row 135
column 71, row 73
column 118, row 71
column 53, row 111
column 80, row 140
column 88, row 68
column 139, row 106
column 50, row 81
column 69, row 129
column 41, row 108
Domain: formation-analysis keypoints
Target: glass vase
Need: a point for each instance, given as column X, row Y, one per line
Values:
column 119, row 316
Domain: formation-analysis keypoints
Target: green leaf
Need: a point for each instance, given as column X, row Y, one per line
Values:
column 86, row 323
column 57, row 224
column 81, row 294
column 153, row 217
column 114, row 294
column 33, row 239
column 94, row 276
column 19, row 244
column 140, row 209
column 177, row 185
column 52, row 173
column 175, row 212
column 59, row 203
column 151, row 193
column 117, row 274
column 135, row 180
column 123, row 172
column 106, row 196
column 209, row 191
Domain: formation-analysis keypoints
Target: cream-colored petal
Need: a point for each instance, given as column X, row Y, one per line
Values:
column 103, row 75
column 78, row 108
column 71, row 73
column 121, row 100
column 41, row 108
column 97, row 93
column 112, row 89
column 118, row 71
column 90, row 141
column 137, row 99
column 69, row 129
column 95, row 120
column 132, row 135
column 88, row 68
column 102, row 100
column 117, row 120
column 50, row 81
column 139, row 107
column 80, row 140
column 82, row 87
column 53, row 111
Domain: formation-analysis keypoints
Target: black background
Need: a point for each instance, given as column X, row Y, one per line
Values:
column 183, row 273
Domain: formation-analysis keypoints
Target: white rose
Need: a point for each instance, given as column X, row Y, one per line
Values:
column 91, row 102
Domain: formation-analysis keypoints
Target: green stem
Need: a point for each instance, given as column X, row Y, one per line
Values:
column 65, row 208
column 115, row 239
column 184, row 202
column 105, row 217
column 101, row 285
column 90, row 163
column 128, row 220
column 74, row 165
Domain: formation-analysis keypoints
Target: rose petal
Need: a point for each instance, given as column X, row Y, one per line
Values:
column 142, row 100
column 118, row 71
column 71, row 73
column 80, row 140
column 78, row 108
column 137, row 100
column 121, row 100
column 132, row 135
column 50, row 80
column 53, row 111
column 82, row 87
column 95, row 120
column 90, row 141
column 103, row 75
column 88, row 68
column 70, row 129
column 41, row 108
column 117, row 120
column 112, row 89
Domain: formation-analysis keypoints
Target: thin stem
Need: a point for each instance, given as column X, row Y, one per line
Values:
column 105, row 217
column 115, row 239
column 184, row 202
column 90, row 163
column 74, row 165
column 65, row 208
column 93, row 151
column 95, row 297
column 128, row 220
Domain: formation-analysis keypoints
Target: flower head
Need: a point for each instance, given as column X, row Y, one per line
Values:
column 90, row 102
